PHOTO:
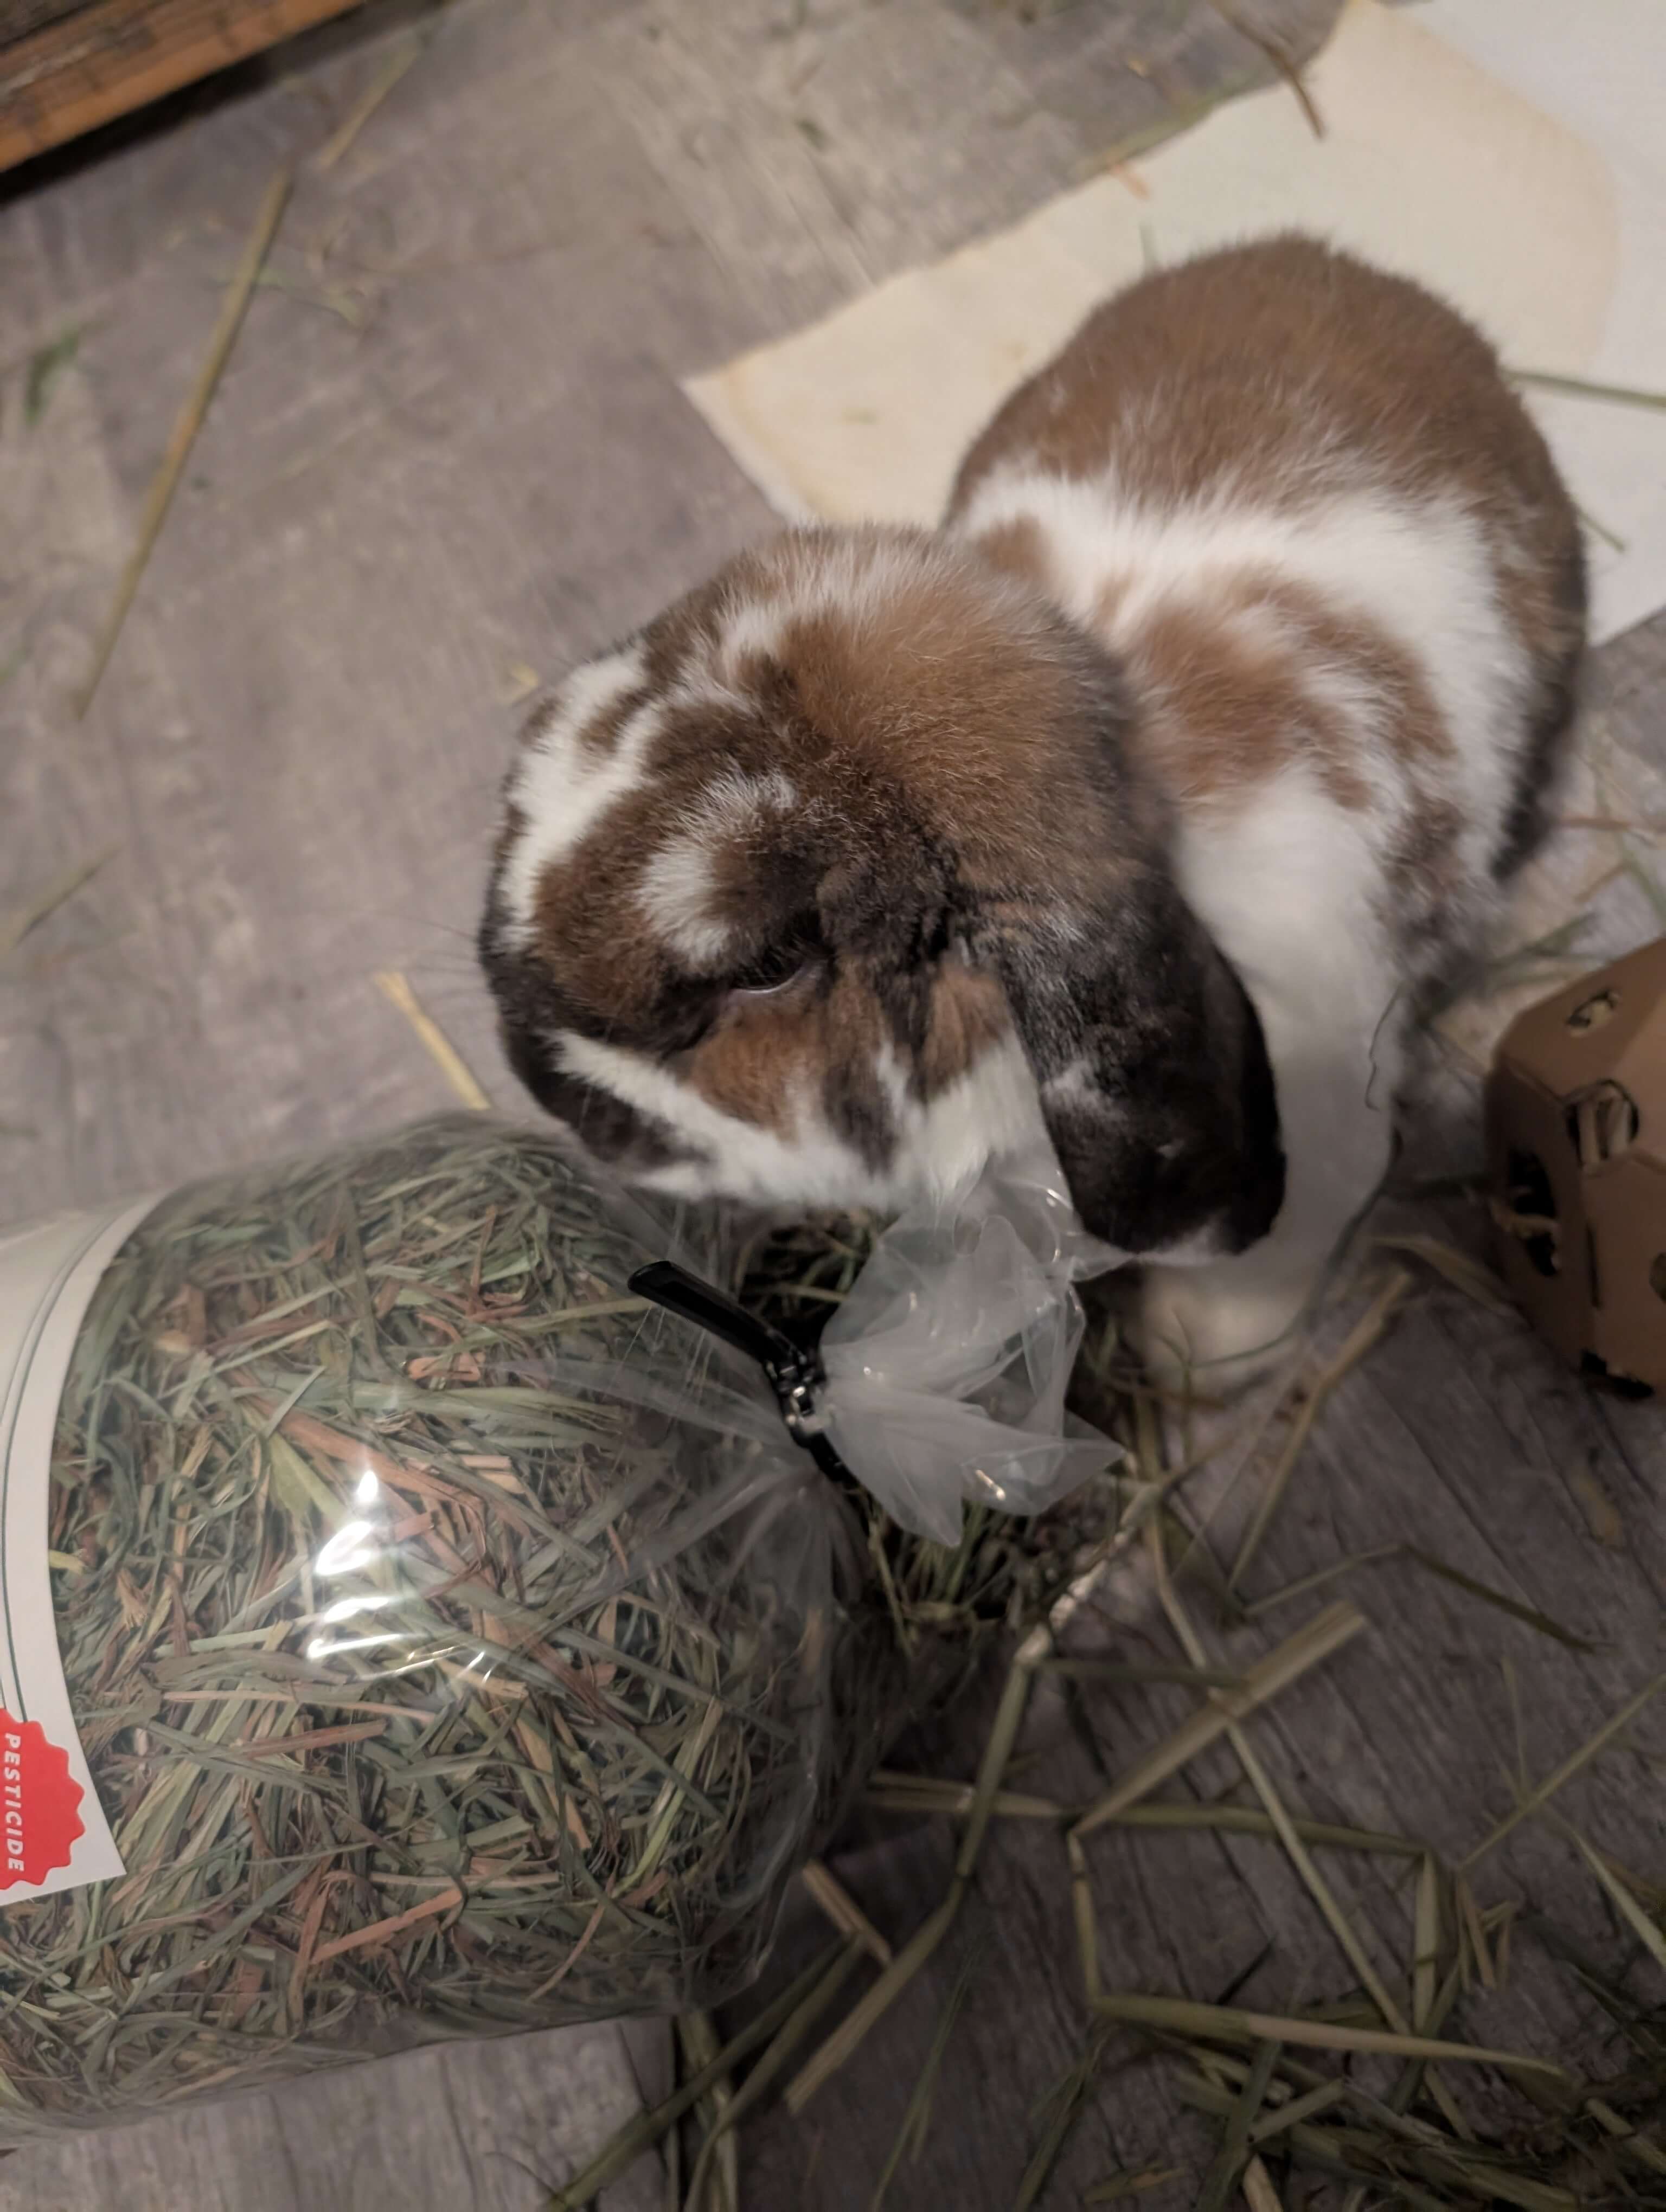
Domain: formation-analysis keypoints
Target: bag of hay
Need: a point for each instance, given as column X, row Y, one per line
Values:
column 408, row 1630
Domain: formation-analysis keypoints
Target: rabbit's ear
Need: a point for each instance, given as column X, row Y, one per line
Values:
column 1155, row 1083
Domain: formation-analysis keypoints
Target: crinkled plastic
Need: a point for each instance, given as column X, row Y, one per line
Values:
column 948, row 1364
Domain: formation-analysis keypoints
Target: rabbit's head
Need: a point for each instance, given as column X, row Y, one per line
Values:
column 835, row 880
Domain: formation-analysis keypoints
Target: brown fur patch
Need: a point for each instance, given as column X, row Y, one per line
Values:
column 756, row 1068
column 600, row 734
column 587, row 914
column 1422, row 869
column 1018, row 549
column 767, row 1057
column 969, row 709
column 1425, row 877
column 1284, row 346
column 1235, row 690
column 1227, row 709
column 969, row 1015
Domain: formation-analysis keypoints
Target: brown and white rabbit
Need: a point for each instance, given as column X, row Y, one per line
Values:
column 1146, row 797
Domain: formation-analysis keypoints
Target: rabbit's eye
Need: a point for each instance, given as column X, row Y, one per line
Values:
column 775, row 970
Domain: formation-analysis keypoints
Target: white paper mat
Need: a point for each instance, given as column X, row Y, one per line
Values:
column 1507, row 152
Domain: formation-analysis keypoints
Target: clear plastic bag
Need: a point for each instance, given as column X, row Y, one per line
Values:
column 446, row 1633
column 410, row 1630
column 947, row 1365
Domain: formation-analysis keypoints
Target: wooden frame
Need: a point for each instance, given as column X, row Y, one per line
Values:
column 113, row 56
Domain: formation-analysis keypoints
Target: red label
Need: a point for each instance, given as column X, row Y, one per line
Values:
column 38, row 1819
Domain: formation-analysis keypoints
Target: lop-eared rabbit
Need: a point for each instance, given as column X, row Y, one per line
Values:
column 1142, row 802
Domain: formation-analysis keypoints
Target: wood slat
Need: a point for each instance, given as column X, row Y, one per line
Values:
column 108, row 59
column 20, row 19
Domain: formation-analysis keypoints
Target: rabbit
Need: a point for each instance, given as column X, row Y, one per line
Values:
column 1138, row 806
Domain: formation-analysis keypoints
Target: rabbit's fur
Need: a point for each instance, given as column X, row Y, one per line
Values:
column 1143, row 800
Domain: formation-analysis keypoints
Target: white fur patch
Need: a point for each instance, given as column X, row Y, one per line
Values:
column 1072, row 1084
column 810, row 1167
column 675, row 897
column 678, row 886
column 1285, row 885
column 752, row 630
column 562, row 786
column 993, row 1109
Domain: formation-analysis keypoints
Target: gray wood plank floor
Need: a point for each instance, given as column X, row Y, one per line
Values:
column 450, row 448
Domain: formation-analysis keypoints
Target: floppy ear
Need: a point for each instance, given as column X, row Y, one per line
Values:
column 1154, row 1079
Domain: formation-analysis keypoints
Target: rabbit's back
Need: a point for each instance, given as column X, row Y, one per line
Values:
column 1299, row 499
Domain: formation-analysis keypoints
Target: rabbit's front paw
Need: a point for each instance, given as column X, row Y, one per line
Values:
column 1218, row 1327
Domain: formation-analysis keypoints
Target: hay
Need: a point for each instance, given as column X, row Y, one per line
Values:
column 395, row 987
column 427, row 1685
column 1282, row 2087
column 16, row 927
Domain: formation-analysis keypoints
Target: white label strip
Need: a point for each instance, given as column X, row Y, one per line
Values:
column 53, row 1834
